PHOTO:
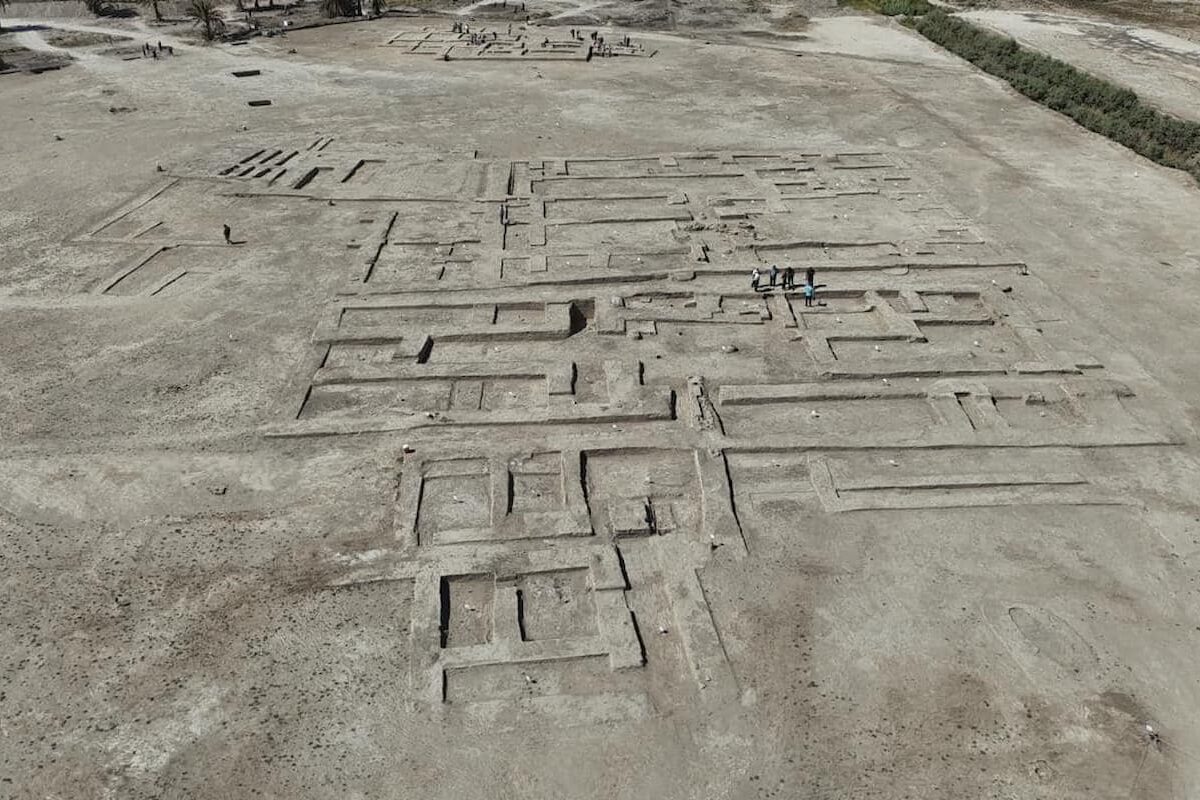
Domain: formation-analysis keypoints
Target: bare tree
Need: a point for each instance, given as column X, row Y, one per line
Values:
column 206, row 14
column 154, row 5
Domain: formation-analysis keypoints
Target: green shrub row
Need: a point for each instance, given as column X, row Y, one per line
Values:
column 1096, row 104
column 892, row 8
column 905, row 8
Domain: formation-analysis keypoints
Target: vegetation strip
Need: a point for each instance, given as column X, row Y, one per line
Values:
column 1096, row 104
column 891, row 8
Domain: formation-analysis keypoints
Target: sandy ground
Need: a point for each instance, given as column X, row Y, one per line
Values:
column 478, row 470
column 1165, row 16
column 1163, row 69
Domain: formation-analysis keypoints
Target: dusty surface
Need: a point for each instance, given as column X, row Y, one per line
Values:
column 476, row 469
column 1177, row 17
column 1163, row 69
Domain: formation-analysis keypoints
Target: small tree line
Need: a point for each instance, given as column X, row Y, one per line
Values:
column 1110, row 110
column 352, row 8
column 890, row 8
column 207, row 15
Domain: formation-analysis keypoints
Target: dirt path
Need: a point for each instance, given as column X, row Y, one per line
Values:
column 139, row 31
column 1163, row 69
column 581, row 8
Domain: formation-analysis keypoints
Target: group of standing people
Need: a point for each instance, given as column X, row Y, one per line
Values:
column 150, row 51
column 788, row 282
column 477, row 37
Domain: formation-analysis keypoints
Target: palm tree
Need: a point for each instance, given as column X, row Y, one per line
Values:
column 206, row 14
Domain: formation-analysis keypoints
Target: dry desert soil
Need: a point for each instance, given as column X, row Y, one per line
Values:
column 473, row 466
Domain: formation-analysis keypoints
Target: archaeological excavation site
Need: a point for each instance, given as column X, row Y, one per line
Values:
column 571, row 400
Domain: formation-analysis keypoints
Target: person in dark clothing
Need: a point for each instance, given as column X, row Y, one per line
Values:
column 789, row 278
column 228, row 233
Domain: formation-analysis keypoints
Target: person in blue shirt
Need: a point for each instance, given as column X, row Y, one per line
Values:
column 809, row 291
